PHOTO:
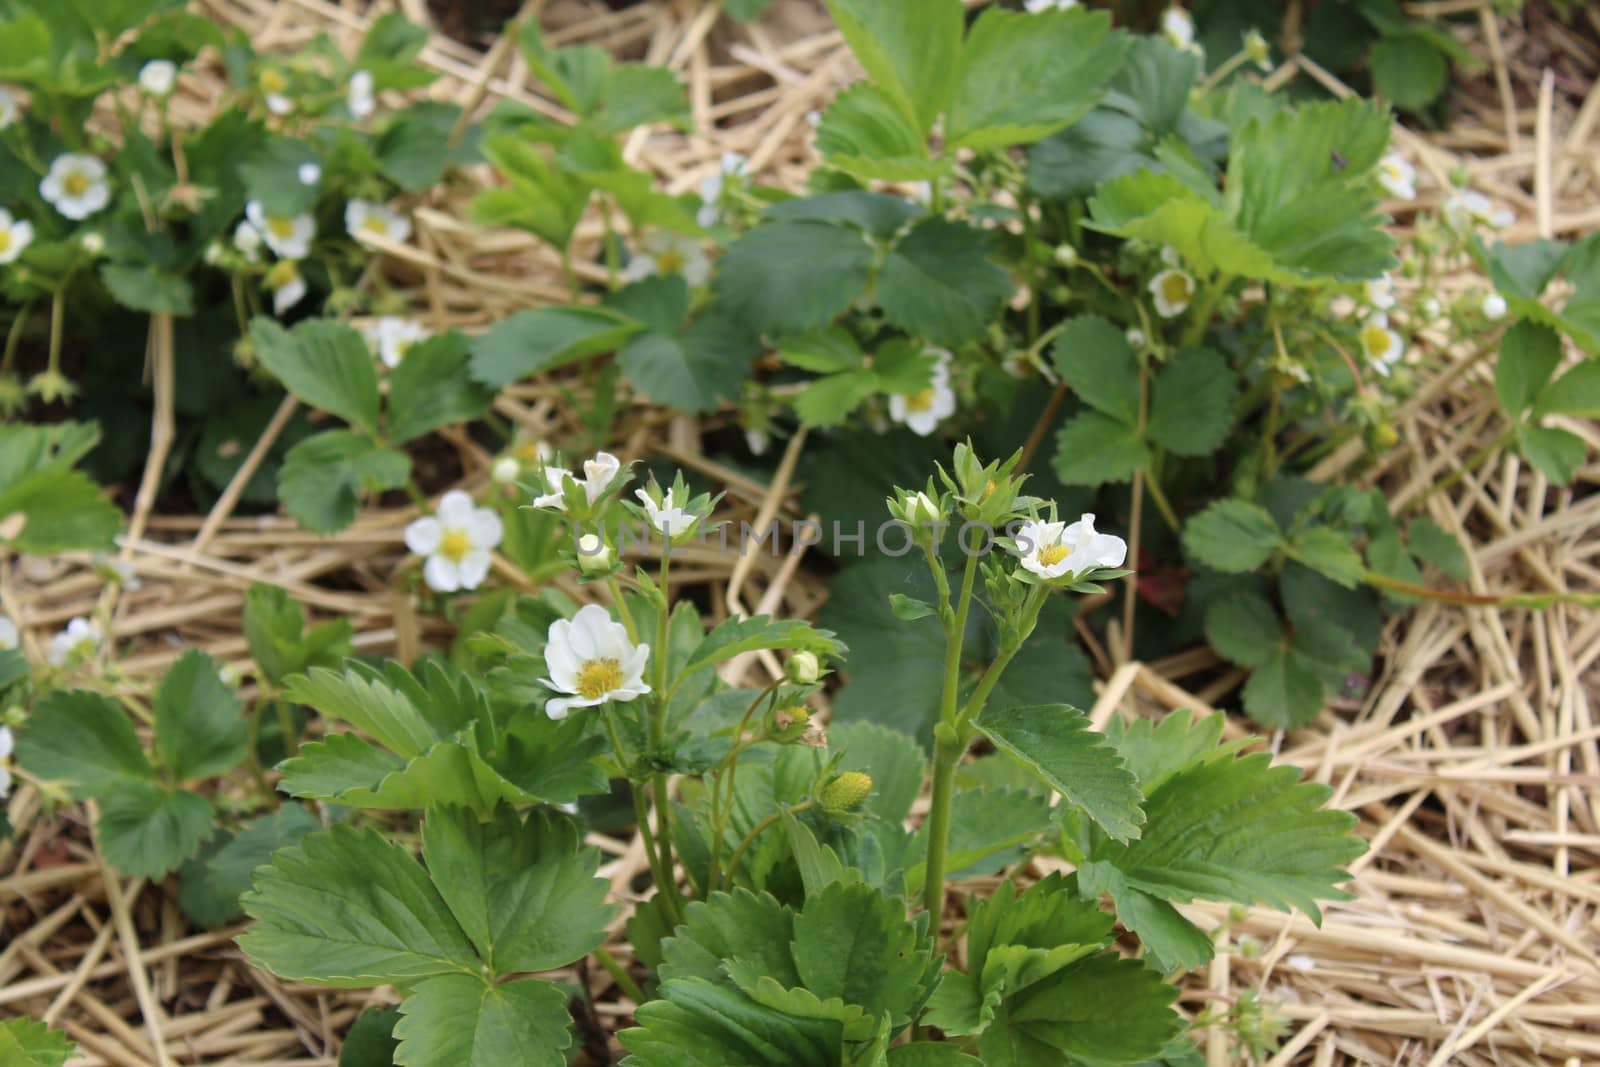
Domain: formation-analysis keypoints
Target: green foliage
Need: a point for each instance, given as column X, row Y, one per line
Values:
column 60, row 508
column 26, row 1043
column 1055, row 742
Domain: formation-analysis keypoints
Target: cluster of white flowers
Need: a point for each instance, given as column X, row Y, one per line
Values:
column 1056, row 549
column 669, row 253
column 290, row 237
column 922, row 411
column 598, row 474
column 458, row 543
column 1467, row 209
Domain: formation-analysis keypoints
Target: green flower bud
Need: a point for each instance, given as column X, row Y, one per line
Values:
column 594, row 555
column 803, row 668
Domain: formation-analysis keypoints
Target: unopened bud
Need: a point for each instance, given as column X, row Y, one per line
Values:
column 845, row 793
column 922, row 508
column 1067, row 256
column 506, row 470
column 1385, row 436
column 803, row 668
column 594, row 555
column 93, row 243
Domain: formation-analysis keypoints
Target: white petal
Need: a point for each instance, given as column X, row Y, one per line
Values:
column 442, row 575
column 474, row 568
column 424, row 534
column 7, row 742
column 485, row 528
column 455, row 508
column 557, row 709
column 5, row 783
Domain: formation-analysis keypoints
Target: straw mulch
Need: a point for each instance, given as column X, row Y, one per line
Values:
column 1472, row 760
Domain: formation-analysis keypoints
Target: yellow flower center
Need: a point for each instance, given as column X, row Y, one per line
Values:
column 1175, row 288
column 670, row 261
column 1374, row 340
column 280, row 226
column 597, row 677
column 282, row 273
column 922, row 401
column 455, row 544
column 374, row 223
column 273, row 81
column 1050, row 555
column 5, row 240
column 76, row 183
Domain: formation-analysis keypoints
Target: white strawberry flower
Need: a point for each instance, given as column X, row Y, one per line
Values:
column 308, row 173
column 1172, row 290
column 1380, row 292
column 668, row 517
column 1397, row 176
column 922, row 411
column 80, row 640
column 666, row 253
column 15, row 236
column 247, row 241
column 6, row 745
column 289, row 236
column 1381, row 345
column 1257, row 50
column 590, row 658
column 1468, row 208
column 76, row 185
column 158, row 77
column 1494, row 307
column 10, row 106
column 1038, row 7
column 1177, row 26
column 286, row 285
column 732, row 165
column 1054, row 549
column 363, row 218
column 359, row 97
column 597, row 475
column 391, row 337
column 458, row 542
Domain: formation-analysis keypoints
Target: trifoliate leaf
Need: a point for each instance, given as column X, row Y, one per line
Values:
column 326, row 364
column 1238, row 828
column 1191, row 403
column 1556, row 454
column 349, row 908
column 524, row 891
column 1232, row 536
column 693, row 371
column 345, row 769
column 1024, row 76
column 696, row 1021
column 907, row 47
column 866, row 135
column 369, row 705
column 938, row 282
column 1093, row 449
column 545, row 338
column 1095, row 360
column 1055, row 741
column 458, row 1019
column 26, row 1043
column 85, row 741
column 788, row 277
column 147, row 830
column 1244, row 629
column 324, row 476
column 1529, row 354
column 275, row 628
column 432, row 388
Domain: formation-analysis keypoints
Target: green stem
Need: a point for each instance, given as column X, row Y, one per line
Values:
column 58, row 307
column 1159, row 496
column 623, row 611
column 1228, row 66
column 755, row 832
column 624, row 980
column 641, row 813
column 949, row 746
column 1204, row 308
column 720, row 807
column 657, row 726
column 14, row 338
column 291, row 743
